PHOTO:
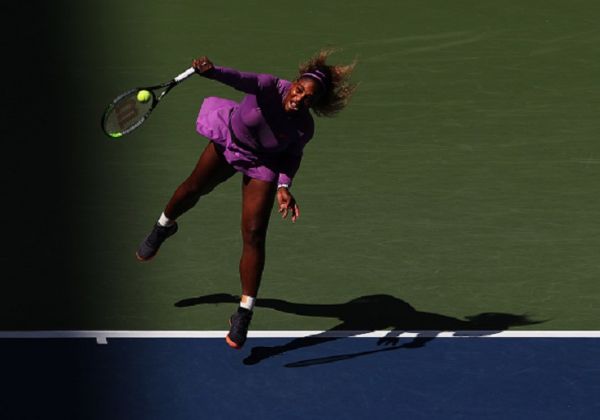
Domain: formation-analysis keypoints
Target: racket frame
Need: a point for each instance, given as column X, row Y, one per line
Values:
column 155, row 100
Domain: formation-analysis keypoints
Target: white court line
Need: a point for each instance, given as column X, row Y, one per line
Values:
column 102, row 336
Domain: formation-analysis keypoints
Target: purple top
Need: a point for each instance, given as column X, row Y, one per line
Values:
column 257, row 136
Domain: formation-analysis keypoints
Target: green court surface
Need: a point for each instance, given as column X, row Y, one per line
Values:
column 464, row 177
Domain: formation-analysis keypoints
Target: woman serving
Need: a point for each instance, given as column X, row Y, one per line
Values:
column 263, row 137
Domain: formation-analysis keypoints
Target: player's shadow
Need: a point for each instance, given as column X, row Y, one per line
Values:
column 366, row 314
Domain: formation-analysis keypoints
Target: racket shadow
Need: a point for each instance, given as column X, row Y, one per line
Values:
column 342, row 357
column 366, row 314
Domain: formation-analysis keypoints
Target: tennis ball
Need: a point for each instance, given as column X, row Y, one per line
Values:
column 143, row 96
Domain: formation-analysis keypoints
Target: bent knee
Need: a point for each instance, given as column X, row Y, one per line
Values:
column 195, row 188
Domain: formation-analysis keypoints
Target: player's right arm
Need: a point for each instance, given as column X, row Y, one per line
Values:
column 245, row 82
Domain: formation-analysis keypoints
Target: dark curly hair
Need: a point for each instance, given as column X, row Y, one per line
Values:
column 338, row 90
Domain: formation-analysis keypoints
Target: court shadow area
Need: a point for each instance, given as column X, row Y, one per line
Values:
column 366, row 314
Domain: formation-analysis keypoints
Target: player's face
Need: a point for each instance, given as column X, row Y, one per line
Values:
column 302, row 94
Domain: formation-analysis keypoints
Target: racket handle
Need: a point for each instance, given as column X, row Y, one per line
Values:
column 185, row 75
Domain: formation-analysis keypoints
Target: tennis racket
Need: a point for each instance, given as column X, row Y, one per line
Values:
column 126, row 113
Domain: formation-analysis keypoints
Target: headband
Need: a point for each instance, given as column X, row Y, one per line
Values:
column 319, row 76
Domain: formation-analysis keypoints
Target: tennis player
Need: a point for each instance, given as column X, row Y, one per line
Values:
column 263, row 137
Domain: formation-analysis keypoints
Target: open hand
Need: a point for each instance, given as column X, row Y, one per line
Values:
column 287, row 204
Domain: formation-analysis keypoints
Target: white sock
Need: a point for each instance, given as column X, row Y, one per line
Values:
column 247, row 302
column 165, row 221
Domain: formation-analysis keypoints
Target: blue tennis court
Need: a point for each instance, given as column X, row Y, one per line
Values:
column 182, row 378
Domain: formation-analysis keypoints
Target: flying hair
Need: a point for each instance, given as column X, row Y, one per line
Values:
column 333, row 79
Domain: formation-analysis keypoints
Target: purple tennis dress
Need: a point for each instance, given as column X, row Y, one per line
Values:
column 257, row 137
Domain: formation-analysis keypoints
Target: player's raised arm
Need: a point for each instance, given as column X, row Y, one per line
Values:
column 246, row 82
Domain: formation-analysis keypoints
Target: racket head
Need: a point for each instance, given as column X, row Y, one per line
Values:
column 126, row 113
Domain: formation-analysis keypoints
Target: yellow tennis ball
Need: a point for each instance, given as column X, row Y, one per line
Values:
column 144, row 96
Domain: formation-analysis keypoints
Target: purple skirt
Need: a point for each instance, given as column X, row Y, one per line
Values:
column 213, row 123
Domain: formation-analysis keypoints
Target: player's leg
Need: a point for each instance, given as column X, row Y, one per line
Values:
column 211, row 170
column 257, row 204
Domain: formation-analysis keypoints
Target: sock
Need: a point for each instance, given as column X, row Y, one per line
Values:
column 165, row 221
column 247, row 302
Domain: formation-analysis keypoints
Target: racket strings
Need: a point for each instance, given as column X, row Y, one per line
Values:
column 126, row 113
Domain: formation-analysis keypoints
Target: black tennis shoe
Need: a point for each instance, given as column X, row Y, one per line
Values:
column 239, row 322
column 150, row 245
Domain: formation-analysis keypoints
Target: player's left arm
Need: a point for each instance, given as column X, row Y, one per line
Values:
column 288, row 167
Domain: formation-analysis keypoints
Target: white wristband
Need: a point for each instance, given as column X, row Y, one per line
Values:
column 283, row 186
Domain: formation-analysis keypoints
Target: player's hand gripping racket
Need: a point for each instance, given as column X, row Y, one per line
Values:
column 130, row 109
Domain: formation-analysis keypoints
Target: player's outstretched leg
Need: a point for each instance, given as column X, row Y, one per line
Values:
column 210, row 171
